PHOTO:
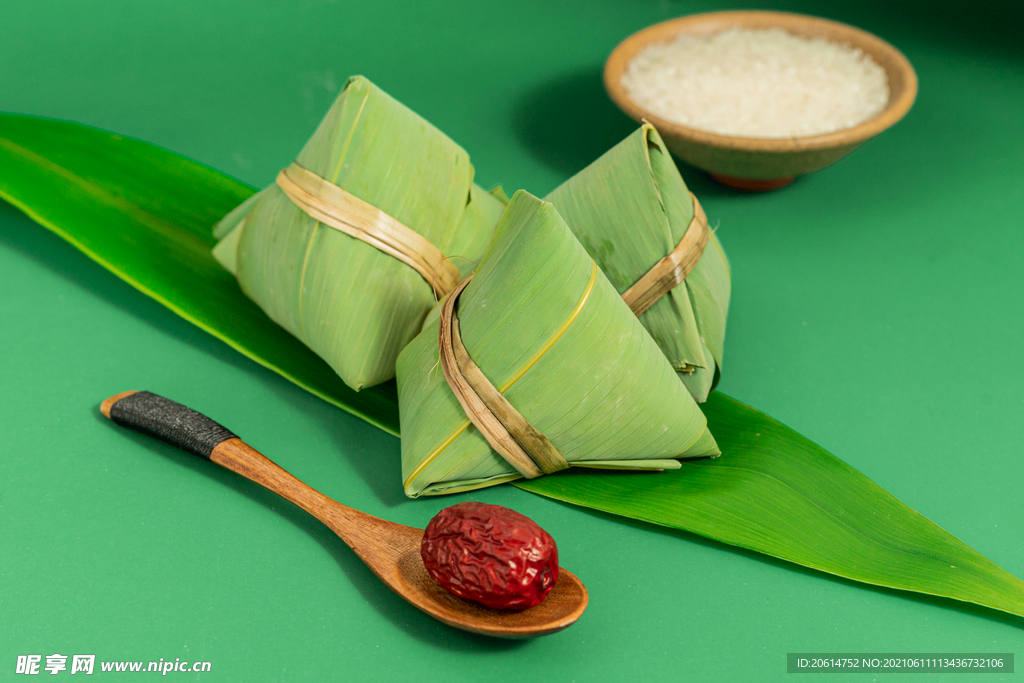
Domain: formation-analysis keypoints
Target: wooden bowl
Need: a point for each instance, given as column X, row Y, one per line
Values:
column 764, row 163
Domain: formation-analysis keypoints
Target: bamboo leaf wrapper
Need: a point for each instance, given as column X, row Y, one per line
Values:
column 353, row 304
column 629, row 209
column 555, row 338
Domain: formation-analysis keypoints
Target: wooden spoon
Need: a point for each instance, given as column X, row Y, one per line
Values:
column 391, row 551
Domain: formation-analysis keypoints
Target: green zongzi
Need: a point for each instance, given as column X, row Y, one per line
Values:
column 349, row 249
column 633, row 214
column 536, row 364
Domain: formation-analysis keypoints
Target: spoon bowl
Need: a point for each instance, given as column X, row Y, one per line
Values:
column 390, row 550
column 561, row 608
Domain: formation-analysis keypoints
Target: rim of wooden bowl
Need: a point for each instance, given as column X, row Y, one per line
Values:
column 901, row 76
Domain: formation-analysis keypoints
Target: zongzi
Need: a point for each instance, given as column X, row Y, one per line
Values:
column 633, row 214
column 349, row 249
column 536, row 364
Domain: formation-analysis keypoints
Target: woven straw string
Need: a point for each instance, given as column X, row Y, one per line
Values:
column 506, row 430
column 334, row 207
column 673, row 269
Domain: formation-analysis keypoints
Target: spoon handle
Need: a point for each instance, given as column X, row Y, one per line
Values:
column 197, row 434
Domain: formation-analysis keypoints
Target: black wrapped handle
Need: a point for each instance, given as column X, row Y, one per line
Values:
column 166, row 420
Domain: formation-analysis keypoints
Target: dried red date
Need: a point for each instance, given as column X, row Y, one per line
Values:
column 490, row 554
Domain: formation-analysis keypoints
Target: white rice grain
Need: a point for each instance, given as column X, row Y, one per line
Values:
column 763, row 83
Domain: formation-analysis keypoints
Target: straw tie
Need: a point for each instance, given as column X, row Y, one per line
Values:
column 327, row 203
column 673, row 269
column 506, row 430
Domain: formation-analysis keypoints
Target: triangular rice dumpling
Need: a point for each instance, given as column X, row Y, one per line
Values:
column 629, row 209
column 353, row 304
column 554, row 337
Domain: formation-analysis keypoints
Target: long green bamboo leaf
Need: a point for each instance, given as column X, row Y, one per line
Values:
column 781, row 494
column 145, row 214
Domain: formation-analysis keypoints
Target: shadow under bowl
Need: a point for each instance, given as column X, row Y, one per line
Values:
column 758, row 164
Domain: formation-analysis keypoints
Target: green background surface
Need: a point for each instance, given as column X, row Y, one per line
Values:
column 878, row 308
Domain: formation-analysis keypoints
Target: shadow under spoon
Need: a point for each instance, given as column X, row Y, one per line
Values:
column 390, row 550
